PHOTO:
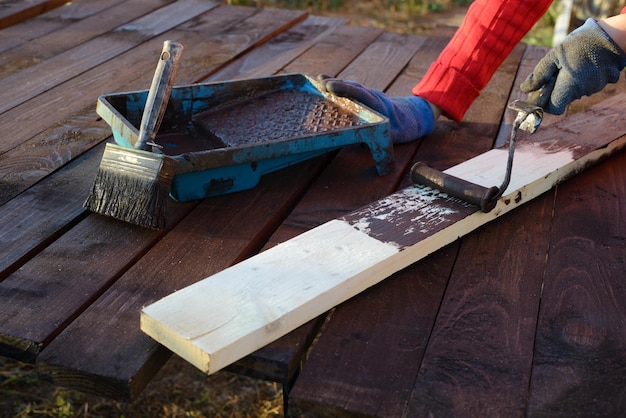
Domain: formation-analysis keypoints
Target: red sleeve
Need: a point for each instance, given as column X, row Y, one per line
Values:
column 488, row 34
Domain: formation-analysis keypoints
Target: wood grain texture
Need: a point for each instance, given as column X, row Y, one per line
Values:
column 59, row 294
column 478, row 357
column 273, row 55
column 44, row 24
column 15, row 12
column 390, row 52
column 579, row 366
column 16, row 88
column 72, row 32
column 334, row 52
column 126, row 358
column 22, row 236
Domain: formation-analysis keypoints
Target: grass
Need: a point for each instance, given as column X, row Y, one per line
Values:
column 179, row 390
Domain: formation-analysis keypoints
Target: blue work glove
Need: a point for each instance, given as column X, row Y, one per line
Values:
column 581, row 65
column 410, row 118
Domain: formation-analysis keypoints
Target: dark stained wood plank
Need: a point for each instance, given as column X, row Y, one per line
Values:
column 477, row 361
column 349, row 369
column 53, row 287
column 389, row 51
column 235, row 41
column 279, row 51
column 579, row 368
column 334, row 52
column 17, row 88
column 28, row 163
column 115, row 358
column 44, row 24
column 17, row 11
column 34, row 219
column 73, row 33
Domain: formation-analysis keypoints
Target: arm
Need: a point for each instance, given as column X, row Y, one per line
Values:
column 488, row 34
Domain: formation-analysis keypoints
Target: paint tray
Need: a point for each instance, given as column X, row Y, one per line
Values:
column 225, row 136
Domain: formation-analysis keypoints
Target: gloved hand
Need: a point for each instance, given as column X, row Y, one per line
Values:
column 582, row 64
column 410, row 118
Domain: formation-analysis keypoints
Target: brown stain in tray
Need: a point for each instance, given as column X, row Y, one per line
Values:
column 277, row 115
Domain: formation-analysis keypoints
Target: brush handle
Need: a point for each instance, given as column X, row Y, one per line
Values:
column 159, row 93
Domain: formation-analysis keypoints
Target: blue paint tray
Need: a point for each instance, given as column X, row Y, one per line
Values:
column 225, row 136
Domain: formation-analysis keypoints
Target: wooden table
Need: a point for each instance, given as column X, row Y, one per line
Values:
column 526, row 316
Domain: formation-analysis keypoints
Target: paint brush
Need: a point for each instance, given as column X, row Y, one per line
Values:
column 133, row 184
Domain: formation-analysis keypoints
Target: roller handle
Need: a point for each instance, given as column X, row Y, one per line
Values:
column 159, row 93
column 483, row 197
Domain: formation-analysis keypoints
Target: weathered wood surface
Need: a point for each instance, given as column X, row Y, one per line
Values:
column 398, row 346
column 13, row 12
column 579, row 363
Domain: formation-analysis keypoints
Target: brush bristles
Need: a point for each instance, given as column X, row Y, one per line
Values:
column 138, row 201
column 132, row 186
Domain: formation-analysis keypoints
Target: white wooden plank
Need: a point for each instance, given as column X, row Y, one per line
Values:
column 331, row 259
column 231, row 314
